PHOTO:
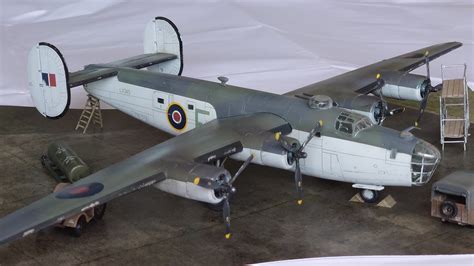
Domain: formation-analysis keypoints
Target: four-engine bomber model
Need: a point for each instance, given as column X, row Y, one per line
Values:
column 331, row 129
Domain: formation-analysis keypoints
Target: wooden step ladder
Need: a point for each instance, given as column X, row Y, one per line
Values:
column 454, row 128
column 91, row 113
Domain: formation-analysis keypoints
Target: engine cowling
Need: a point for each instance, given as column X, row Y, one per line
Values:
column 404, row 86
column 189, row 190
column 267, row 151
column 369, row 106
column 180, row 181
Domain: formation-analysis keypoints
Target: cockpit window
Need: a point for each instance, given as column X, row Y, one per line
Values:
column 352, row 123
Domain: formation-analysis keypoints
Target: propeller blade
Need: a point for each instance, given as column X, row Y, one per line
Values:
column 380, row 83
column 437, row 88
column 311, row 135
column 299, row 182
column 427, row 62
column 422, row 108
column 241, row 169
column 226, row 214
column 396, row 111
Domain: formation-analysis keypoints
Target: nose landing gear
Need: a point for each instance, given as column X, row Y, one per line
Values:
column 369, row 195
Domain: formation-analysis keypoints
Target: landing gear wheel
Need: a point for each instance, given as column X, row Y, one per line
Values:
column 77, row 231
column 369, row 195
column 99, row 211
column 448, row 209
column 43, row 160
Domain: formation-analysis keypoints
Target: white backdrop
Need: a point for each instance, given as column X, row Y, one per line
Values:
column 268, row 45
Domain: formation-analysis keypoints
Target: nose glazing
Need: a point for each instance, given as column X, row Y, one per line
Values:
column 425, row 158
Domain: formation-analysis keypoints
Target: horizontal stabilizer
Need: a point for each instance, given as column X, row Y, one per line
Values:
column 93, row 73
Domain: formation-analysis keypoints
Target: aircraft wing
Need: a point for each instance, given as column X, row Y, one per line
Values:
column 188, row 151
column 362, row 80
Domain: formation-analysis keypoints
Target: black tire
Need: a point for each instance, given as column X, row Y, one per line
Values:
column 369, row 195
column 99, row 211
column 43, row 160
column 80, row 225
column 448, row 209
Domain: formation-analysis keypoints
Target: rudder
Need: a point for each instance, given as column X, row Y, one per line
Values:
column 48, row 80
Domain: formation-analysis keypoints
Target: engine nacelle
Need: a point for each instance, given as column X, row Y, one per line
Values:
column 270, row 153
column 180, row 178
column 188, row 190
column 404, row 86
column 370, row 106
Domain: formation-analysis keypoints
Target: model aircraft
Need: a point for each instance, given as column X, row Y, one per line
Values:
column 331, row 129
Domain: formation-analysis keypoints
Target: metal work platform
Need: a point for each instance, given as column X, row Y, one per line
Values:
column 454, row 128
column 91, row 113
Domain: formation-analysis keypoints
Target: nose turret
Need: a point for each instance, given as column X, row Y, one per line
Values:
column 425, row 158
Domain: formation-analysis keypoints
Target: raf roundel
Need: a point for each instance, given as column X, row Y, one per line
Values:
column 176, row 116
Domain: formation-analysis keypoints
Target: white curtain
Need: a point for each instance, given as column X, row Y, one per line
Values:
column 274, row 46
column 427, row 260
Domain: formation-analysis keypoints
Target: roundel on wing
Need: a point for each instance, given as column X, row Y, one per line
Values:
column 80, row 191
column 176, row 116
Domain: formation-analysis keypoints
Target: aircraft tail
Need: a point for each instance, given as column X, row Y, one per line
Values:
column 50, row 82
column 162, row 36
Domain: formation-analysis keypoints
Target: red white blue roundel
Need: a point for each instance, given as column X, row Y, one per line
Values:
column 176, row 116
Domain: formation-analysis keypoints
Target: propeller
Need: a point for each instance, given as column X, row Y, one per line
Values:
column 382, row 110
column 295, row 152
column 428, row 89
column 224, row 187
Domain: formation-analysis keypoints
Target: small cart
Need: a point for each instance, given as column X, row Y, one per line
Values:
column 77, row 222
column 67, row 167
column 452, row 198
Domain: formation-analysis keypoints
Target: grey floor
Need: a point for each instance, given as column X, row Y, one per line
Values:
column 153, row 227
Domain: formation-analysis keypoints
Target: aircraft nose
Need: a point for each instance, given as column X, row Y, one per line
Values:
column 425, row 158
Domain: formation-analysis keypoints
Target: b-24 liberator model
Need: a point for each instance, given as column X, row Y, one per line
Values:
column 331, row 129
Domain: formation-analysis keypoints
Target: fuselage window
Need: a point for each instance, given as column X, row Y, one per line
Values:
column 345, row 127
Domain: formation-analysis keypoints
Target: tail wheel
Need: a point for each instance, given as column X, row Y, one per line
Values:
column 448, row 209
column 99, row 211
column 369, row 195
column 79, row 229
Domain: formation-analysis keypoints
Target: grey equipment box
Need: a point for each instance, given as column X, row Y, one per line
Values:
column 452, row 198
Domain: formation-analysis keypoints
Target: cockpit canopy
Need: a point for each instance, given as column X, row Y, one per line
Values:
column 352, row 123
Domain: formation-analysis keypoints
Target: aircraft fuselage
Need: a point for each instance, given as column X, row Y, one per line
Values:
column 376, row 157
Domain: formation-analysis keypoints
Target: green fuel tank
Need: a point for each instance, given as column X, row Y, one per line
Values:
column 67, row 161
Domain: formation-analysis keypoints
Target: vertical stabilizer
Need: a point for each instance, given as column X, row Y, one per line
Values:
column 48, row 80
column 162, row 36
